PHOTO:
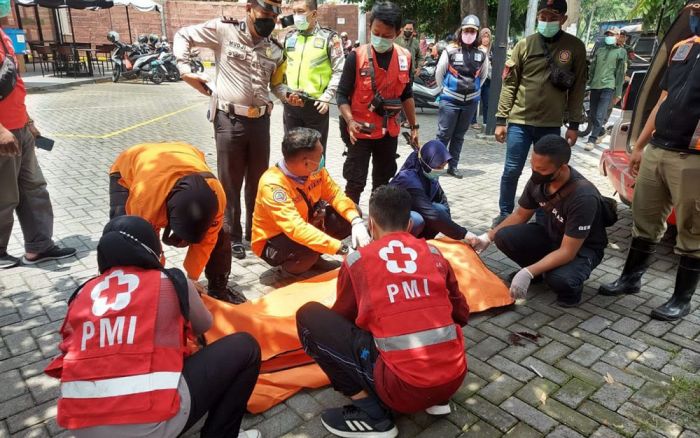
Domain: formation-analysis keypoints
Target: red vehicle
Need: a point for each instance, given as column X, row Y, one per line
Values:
column 639, row 100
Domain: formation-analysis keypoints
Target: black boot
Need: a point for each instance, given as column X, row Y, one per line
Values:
column 218, row 288
column 687, row 279
column 638, row 260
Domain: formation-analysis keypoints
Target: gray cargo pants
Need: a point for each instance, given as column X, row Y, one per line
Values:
column 23, row 189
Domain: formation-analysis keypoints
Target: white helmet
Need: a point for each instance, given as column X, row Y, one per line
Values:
column 471, row 21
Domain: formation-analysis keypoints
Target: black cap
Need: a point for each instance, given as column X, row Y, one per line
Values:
column 270, row 5
column 558, row 5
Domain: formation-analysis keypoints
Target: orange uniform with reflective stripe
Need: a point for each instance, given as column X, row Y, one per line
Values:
column 280, row 208
column 149, row 171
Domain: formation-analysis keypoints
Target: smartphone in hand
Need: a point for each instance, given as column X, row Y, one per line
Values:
column 44, row 143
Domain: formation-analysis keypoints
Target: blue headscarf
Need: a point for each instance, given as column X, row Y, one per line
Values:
column 432, row 155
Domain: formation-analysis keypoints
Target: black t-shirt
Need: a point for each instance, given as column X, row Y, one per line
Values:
column 347, row 80
column 577, row 215
column 679, row 115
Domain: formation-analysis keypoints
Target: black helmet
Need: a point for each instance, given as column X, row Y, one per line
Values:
column 112, row 36
column 143, row 39
column 153, row 39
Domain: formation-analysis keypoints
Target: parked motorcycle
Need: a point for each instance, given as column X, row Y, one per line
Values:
column 131, row 62
column 196, row 62
column 426, row 91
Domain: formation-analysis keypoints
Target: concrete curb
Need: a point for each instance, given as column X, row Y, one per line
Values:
column 52, row 87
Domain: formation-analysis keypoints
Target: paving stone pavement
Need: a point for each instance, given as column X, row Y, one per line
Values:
column 604, row 369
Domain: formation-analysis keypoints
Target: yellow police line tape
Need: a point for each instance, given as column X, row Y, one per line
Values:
column 128, row 128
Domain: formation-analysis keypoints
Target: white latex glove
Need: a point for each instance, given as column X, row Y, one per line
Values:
column 479, row 243
column 520, row 284
column 360, row 235
column 321, row 107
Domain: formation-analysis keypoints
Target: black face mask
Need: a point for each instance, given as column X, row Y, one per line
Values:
column 539, row 178
column 264, row 26
column 408, row 33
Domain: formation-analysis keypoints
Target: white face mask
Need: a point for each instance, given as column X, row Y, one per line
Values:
column 301, row 22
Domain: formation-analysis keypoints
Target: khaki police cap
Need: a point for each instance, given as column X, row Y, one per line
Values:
column 270, row 5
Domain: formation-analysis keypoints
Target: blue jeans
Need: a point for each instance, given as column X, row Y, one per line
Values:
column 485, row 89
column 453, row 123
column 518, row 142
column 419, row 223
column 600, row 103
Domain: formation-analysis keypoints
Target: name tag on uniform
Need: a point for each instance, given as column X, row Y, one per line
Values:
column 682, row 52
column 364, row 72
column 403, row 63
column 478, row 57
column 459, row 58
column 319, row 42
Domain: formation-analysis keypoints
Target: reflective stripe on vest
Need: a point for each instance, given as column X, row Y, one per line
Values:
column 409, row 341
column 461, row 97
column 308, row 65
column 119, row 386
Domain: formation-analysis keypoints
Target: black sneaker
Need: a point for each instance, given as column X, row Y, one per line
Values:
column 53, row 253
column 351, row 421
column 229, row 295
column 455, row 173
column 7, row 261
column 498, row 219
column 238, row 250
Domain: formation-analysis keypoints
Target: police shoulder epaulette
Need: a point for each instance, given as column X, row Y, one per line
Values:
column 326, row 31
column 277, row 43
column 229, row 20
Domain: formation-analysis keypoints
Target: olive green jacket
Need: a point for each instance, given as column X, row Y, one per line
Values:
column 608, row 68
column 413, row 46
column 528, row 97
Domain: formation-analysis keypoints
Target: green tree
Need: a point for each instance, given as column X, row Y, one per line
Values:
column 655, row 13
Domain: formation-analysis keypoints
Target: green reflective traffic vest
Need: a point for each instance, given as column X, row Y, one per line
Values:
column 308, row 61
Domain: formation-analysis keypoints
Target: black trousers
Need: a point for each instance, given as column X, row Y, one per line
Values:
column 345, row 352
column 242, row 153
column 356, row 167
column 219, row 262
column 527, row 244
column 221, row 378
column 307, row 117
column 297, row 258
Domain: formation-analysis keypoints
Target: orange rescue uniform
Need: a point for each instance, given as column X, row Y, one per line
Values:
column 149, row 171
column 280, row 208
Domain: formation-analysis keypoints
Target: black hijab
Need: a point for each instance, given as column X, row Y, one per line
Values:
column 132, row 241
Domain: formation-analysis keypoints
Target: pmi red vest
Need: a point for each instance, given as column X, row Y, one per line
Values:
column 390, row 84
column 403, row 301
column 116, row 367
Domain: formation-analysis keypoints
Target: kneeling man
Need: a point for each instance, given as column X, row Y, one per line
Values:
column 568, row 242
column 300, row 212
column 171, row 186
column 393, row 339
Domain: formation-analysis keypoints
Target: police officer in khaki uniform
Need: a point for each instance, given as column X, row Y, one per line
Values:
column 249, row 64
column 668, row 176
column 315, row 63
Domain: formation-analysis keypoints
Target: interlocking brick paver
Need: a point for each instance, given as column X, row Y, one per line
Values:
column 652, row 395
column 536, row 390
column 564, row 432
column 578, row 347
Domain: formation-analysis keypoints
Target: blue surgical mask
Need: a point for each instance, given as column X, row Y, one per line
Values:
column 610, row 40
column 435, row 174
column 694, row 24
column 5, row 8
column 548, row 28
column 301, row 22
column 381, row 45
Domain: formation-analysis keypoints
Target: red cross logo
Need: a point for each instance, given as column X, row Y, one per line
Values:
column 399, row 258
column 113, row 292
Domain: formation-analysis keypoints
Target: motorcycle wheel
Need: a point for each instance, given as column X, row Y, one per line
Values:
column 173, row 75
column 200, row 67
column 157, row 77
column 115, row 74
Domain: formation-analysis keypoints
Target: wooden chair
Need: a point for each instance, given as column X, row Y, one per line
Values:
column 103, row 56
column 68, row 61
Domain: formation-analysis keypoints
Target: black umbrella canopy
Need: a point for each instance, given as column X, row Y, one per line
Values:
column 73, row 4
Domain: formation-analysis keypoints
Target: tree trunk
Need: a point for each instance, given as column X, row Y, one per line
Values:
column 574, row 13
column 475, row 7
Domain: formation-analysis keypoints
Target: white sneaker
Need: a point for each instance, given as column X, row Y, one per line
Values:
column 252, row 433
column 589, row 146
column 439, row 409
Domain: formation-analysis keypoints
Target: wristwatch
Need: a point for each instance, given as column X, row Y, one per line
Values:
column 343, row 250
column 414, row 127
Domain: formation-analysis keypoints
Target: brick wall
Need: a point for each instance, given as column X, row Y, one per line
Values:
column 92, row 26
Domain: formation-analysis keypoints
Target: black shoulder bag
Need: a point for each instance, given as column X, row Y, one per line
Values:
column 559, row 77
column 608, row 206
column 8, row 73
